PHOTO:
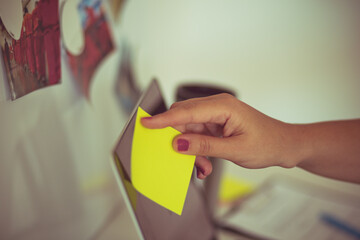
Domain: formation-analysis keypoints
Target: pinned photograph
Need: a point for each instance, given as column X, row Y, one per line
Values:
column 96, row 42
column 126, row 86
column 32, row 59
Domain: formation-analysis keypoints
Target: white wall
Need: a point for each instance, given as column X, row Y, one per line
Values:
column 279, row 55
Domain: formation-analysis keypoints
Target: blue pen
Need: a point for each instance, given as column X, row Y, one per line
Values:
column 339, row 224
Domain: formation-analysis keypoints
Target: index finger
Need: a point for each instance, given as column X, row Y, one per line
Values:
column 200, row 110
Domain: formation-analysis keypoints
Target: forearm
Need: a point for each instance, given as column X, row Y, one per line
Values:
column 330, row 149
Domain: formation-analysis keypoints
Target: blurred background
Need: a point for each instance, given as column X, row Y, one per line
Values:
column 296, row 61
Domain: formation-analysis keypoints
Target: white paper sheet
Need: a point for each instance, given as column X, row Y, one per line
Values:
column 283, row 211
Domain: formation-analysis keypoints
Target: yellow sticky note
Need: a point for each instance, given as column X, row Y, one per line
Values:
column 157, row 171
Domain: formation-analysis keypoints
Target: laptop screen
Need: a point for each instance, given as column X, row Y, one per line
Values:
column 154, row 221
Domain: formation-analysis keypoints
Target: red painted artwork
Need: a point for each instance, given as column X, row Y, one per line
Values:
column 98, row 43
column 33, row 61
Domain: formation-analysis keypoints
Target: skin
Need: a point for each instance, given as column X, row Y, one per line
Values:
column 225, row 127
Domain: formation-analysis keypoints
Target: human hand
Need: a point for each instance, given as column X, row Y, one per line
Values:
column 225, row 127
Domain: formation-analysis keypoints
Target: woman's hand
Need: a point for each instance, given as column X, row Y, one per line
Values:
column 224, row 127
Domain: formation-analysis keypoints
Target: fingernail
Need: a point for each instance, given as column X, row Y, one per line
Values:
column 182, row 144
column 200, row 173
column 146, row 118
column 201, row 170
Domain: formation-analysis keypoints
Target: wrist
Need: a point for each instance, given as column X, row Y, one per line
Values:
column 297, row 145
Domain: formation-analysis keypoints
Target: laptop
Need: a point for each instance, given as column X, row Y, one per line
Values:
column 151, row 220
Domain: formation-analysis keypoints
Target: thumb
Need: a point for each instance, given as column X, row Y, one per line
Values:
column 202, row 145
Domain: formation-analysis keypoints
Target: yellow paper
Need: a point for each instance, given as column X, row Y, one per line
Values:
column 128, row 186
column 157, row 171
column 233, row 188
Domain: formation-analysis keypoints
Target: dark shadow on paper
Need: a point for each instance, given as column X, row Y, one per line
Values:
column 126, row 87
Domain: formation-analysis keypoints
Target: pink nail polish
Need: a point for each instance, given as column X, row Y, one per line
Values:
column 182, row 145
